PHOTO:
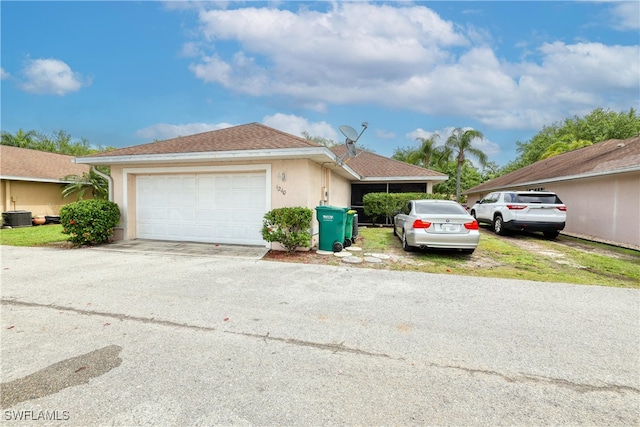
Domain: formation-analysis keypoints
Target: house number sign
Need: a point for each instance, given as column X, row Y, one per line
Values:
column 280, row 189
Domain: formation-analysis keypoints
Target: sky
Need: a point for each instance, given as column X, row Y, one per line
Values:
column 122, row 73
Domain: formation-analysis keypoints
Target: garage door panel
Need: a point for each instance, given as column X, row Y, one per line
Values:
column 222, row 208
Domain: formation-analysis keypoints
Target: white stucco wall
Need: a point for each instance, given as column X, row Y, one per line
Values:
column 292, row 183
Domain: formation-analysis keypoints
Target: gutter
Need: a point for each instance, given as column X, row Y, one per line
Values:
column 403, row 178
column 557, row 179
column 33, row 179
column 237, row 155
column 203, row 156
column 108, row 178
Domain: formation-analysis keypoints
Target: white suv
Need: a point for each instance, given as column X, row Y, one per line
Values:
column 522, row 210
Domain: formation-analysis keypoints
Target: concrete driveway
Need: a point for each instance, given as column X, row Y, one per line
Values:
column 97, row 337
column 143, row 246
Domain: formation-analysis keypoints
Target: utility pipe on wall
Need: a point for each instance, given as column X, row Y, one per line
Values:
column 109, row 181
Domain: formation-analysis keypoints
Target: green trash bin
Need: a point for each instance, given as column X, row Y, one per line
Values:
column 348, row 228
column 331, row 220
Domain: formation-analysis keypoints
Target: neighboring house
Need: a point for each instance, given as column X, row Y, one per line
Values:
column 32, row 180
column 216, row 186
column 600, row 184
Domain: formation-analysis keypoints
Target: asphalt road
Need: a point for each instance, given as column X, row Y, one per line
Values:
column 94, row 337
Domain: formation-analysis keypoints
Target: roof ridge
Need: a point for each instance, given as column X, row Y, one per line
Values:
column 307, row 141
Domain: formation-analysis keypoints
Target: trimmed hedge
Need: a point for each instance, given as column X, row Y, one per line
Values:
column 89, row 222
column 383, row 205
column 289, row 227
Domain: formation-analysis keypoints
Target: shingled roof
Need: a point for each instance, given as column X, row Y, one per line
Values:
column 371, row 165
column 612, row 156
column 33, row 165
column 252, row 136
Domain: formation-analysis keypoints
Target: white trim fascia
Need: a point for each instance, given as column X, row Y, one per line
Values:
column 24, row 178
column 189, row 169
column 563, row 178
column 236, row 155
column 204, row 156
column 403, row 178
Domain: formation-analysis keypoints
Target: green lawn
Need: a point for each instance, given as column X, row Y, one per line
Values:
column 41, row 235
column 527, row 257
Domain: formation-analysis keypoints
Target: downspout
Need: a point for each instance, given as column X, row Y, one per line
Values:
column 108, row 178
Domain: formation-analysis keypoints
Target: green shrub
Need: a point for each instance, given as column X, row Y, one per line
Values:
column 383, row 205
column 288, row 226
column 89, row 222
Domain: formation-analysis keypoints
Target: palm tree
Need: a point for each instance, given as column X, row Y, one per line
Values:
column 21, row 139
column 460, row 145
column 426, row 150
column 91, row 181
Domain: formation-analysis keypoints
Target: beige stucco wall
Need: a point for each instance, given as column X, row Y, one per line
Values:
column 39, row 198
column 603, row 208
column 299, row 182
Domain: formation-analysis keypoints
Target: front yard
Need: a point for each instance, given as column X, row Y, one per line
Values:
column 520, row 256
column 41, row 235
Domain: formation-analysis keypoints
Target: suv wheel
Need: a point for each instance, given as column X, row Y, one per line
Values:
column 550, row 234
column 473, row 214
column 498, row 226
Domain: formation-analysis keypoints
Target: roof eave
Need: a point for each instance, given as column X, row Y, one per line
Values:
column 316, row 154
column 558, row 179
column 403, row 178
column 34, row 179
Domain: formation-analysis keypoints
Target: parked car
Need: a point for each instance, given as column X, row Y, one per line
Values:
column 522, row 210
column 443, row 224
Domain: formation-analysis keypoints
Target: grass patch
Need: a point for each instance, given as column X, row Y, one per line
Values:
column 41, row 235
column 527, row 257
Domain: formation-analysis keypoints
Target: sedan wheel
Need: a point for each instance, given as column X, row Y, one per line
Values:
column 405, row 245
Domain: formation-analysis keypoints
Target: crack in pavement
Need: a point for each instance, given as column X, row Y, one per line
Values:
column 331, row 347
column 151, row 320
column 522, row 378
column 292, row 341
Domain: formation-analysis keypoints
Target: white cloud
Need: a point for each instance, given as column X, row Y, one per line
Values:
column 4, row 74
column 163, row 131
column 405, row 56
column 296, row 125
column 626, row 15
column 384, row 134
column 51, row 76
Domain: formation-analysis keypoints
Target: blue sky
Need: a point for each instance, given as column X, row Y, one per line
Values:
column 124, row 73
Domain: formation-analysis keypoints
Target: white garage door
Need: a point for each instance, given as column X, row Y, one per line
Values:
column 217, row 208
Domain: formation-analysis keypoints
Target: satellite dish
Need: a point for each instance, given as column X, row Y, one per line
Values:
column 349, row 132
column 352, row 137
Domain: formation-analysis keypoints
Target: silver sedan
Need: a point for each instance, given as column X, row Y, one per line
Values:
column 443, row 224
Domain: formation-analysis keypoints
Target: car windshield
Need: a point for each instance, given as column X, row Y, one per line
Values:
column 439, row 208
column 538, row 198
